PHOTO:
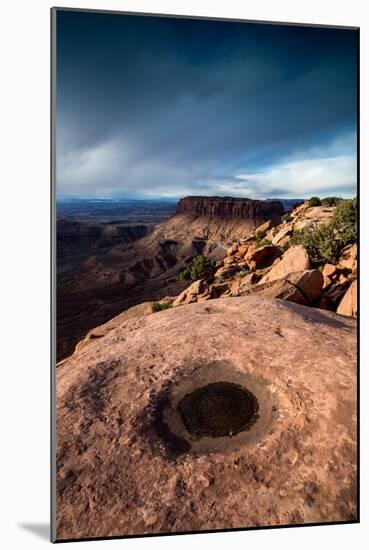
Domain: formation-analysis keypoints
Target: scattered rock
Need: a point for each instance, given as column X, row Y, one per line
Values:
column 302, row 287
column 348, row 258
column 263, row 256
column 281, row 288
column 248, row 279
column 265, row 226
column 242, row 249
column 348, row 304
column 329, row 270
column 190, row 294
column 226, row 271
column 315, row 215
column 232, row 249
column 282, row 236
column 332, row 295
column 229, row 260
column 309, row 282
column 216, row 291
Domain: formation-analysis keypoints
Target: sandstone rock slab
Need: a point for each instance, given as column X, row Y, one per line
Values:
column 119, row 472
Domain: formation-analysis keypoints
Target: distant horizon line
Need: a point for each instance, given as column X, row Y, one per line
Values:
column 176, row 199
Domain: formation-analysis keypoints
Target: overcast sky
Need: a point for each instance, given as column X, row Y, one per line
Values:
column 161, row 107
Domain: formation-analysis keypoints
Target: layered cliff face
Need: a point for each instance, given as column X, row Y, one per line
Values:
column 118, row 274
column 230, row 207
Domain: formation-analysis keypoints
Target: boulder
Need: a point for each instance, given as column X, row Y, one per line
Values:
column 232, row 249
column 281, row 288
column 226, row 271
column 348, row 304
column 327, row 281
column 329, row 270
column 348, row 258
column 309, row 282
column 302, row 287
column 229, row 260
column 247, row 240
column 332, row 295
column 263, row 256
column 294, row 259
column 264, row 226
column 248, row 279
column 282, row 236
column 242, row 249
column 216, row 291
column 235, row 286
column 191, row 293
column 301, row 224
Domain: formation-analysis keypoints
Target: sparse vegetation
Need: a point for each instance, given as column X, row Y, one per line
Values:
column 260, row 235
column 199, row 267
column 315, row 201
column 331, row 201
column 263, row 242
column 326, row 242
column 345, row 221
column 241, row 273
column 160, row 306
column 287, row 218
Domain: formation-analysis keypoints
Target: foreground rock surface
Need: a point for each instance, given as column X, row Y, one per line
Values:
column 116, row 475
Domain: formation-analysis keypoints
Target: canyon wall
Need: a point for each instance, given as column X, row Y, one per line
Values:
column 230, row 207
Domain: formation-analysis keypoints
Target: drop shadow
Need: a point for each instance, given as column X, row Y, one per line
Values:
column 42, row 530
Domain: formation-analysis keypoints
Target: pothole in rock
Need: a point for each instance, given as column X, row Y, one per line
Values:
column 210, row 408
column 218, row 410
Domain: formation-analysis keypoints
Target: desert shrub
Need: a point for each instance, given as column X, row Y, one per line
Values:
column 331, row 201
column 260, row 235
column 241, row 273
column 345, row 221
column 264, row 242
column 287, row 218
column 320, row 243
column 199, row 267
column 315, row 201
column 285, row 246
column 157, row 306
column 326, row 242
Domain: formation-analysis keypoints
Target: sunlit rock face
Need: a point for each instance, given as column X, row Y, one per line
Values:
column 230, row 207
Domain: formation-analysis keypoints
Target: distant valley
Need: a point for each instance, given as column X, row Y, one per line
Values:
column 112, row 255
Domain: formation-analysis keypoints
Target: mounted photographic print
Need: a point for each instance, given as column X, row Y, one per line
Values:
column 204, row 274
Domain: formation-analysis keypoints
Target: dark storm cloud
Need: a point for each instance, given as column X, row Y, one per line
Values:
column 165, row 107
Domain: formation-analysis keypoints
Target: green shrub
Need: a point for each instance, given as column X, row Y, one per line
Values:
column 331, row 201
column 241, row 273
column 264, row 242
column 287, row 218
column 320, row 243
column 326, row 242
column 345, row 221
column 199, row 267
column 315, row 201
column 260, row 235
column 157, row 306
